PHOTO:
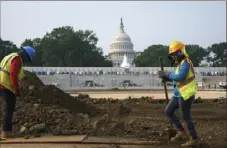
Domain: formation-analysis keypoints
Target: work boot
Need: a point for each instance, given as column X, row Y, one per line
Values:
column 181, row 135
column 191, row 142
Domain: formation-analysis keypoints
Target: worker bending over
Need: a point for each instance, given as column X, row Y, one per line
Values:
column 11, row 72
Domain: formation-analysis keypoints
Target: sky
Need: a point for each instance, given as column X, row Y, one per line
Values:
column 146, row 22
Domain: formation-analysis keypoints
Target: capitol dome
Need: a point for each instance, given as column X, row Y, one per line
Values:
column 121, row 46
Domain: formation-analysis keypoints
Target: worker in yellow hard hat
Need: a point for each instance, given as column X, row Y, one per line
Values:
column 184, row 92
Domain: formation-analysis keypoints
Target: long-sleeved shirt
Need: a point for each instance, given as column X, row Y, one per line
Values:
column 15, row 67
column 182, row 73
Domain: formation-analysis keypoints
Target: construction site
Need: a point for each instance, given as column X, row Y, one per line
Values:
column 46, row 116
column 77, row 74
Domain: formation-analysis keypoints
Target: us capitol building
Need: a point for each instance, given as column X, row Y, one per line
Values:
column 121, row 48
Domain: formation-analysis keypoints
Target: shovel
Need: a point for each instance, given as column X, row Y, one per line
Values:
column 167, row 99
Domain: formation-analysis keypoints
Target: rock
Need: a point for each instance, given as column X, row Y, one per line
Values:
column 31, row 129
column 26, row 124
column 51, row 111
column 38, row 128
column 31, row 87
column 36, row 105
column 23, row 129
column 57, row 121
column 131, row 122
column 97, row 125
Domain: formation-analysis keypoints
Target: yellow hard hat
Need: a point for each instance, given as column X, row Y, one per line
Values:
column 177, row 46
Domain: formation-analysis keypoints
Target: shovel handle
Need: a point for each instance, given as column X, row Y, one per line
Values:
column 162, row 69
column 167, row 99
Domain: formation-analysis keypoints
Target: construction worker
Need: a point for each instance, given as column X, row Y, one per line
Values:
column 11, row 72
column 184, row 92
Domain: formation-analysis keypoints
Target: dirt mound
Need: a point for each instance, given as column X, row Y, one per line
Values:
column 30, row 79
column 34, row 91
column 45, row 108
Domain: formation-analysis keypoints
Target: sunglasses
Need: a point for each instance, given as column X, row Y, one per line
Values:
column 173, row 55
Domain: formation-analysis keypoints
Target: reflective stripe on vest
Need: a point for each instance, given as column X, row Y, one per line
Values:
column 187, row 87
column 5, row 72
column 4, row 65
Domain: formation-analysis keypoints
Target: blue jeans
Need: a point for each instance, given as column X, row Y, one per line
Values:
column 184, row 107
column 10, row 101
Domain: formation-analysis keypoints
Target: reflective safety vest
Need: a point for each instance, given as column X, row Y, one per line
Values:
column 5, row 72
column 187, row 87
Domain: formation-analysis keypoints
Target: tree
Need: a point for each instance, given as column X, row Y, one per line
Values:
column 6, row 47
column 196, row 53
column 218, row 54
column 150, row 56
column 65, row 47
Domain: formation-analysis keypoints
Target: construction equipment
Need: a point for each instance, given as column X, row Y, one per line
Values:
column 223, row 85
column 167, row 98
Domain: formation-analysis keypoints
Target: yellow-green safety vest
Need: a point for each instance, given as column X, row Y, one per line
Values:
column 5, row 72
column 187, row 87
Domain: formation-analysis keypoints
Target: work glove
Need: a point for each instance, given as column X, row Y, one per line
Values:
column 163, row 74
column 166, row 80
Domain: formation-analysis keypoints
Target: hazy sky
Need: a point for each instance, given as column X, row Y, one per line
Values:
column 147, row 22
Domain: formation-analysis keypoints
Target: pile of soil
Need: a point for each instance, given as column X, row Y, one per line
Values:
column 45, row 108
column 34, row 91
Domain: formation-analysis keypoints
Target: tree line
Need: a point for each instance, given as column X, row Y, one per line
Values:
column 215, row 55
column 65, row 47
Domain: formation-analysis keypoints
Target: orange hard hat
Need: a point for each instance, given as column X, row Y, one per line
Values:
column 177, row 46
